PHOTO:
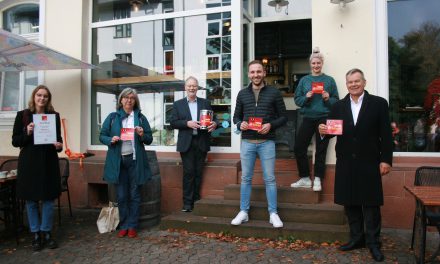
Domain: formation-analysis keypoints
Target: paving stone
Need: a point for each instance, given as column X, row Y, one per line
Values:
column 80, row 243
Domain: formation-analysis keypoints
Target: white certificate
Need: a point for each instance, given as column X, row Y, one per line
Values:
column 45, row 131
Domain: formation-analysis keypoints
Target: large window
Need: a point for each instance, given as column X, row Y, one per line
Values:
column 15, row 90
column 159, row 67
column 16, row 87
column 414, row 72
column 21, row 19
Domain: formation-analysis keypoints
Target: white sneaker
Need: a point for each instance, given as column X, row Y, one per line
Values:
column 275, row 220
column 317, row 184
column 240, row 218
column 302, row 183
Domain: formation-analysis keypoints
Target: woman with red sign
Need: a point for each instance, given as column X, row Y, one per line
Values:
column 125, row 132
column 315, row 94
column 38, row 172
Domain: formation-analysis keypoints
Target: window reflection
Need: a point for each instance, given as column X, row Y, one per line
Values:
column 414, row 55
column 158, row 71
column 22, row 19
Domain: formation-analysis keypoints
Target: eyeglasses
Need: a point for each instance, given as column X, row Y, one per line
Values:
column 132, row 98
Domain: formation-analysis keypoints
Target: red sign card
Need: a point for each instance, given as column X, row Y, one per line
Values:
column 127, row 134
column 317, row 87
column 334, row 127
column 205, row 120
column 255, row 123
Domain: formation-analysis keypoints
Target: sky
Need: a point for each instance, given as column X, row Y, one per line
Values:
column 408, row 15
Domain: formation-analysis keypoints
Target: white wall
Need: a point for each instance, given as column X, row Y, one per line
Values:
column 63, row 32
column 347, row 39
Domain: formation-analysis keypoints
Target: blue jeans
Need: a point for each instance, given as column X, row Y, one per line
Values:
column 32, row 209
column 128, row 194
column 248, row 155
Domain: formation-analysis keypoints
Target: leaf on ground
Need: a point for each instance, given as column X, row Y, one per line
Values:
column 308, row 256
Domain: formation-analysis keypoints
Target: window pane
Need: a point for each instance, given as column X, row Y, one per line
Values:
column 10, row 91
column 157, row 72
column 213, row 29
column 21, row 19
column 226, row 45
column 414, row 64
column 168, row 39
column 169, row 25
column 30, row 82
column 226, row 62
column 213, row 46
column 226, row 27
column 213, row 63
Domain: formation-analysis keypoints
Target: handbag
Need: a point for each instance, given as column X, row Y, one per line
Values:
column 108, row 219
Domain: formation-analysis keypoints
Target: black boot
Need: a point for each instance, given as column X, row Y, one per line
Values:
column 36, row 243
column 48, row 241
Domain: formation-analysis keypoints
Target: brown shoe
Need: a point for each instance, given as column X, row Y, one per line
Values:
column 132, row 233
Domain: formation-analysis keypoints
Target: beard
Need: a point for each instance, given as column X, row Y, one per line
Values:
column 256, row 81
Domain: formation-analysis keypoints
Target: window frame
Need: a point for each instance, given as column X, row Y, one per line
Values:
column 165, row 70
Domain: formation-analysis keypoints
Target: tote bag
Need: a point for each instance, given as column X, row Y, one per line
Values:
column 108, row 219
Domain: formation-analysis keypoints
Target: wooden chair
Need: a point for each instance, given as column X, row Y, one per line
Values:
column 64, row 173
column 428, row 176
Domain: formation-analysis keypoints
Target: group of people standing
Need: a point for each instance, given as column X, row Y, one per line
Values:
column 363, row 150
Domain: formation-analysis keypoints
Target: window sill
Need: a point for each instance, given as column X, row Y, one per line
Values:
column 7, row 120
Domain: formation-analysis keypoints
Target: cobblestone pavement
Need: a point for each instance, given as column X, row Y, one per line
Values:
column 80, row 242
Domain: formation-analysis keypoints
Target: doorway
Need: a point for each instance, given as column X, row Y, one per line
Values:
column 284, row 48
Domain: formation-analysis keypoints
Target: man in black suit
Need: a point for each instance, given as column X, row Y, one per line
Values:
column 364, row 153
column 192, row 142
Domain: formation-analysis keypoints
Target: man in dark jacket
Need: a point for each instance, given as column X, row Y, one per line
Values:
column 192, row 142
column 364, row 153
column 259, row 111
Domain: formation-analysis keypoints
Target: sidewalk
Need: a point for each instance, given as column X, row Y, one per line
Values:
column 80, row 242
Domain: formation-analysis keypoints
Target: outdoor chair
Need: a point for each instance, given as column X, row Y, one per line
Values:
column 428, row 176
column 64, row 173
column 9, row 205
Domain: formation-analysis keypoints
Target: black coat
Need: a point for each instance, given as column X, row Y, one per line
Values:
column 181, row 115
column 270, row 107
column 38, row 166
column 360, row 150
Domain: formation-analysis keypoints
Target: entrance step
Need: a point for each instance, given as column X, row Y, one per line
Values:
column 300, row 213
column 283, row 178
column 255, row 228
column 285, row 194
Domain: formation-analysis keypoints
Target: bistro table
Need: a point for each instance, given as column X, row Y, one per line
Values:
column 8, row 185
column 426, row 196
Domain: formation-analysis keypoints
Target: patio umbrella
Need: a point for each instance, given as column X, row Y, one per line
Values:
column 20, row 54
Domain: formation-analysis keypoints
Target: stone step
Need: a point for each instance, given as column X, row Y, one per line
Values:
column 256, row 228
column 283, row 178
column 284, row 194
column 300, row 213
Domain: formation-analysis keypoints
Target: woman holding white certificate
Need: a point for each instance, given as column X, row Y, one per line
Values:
column 37, row 132
column 125, row 132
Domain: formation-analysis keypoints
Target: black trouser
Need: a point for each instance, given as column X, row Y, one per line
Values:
column 302, row 142
column 368, row 216
column 193, row 161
